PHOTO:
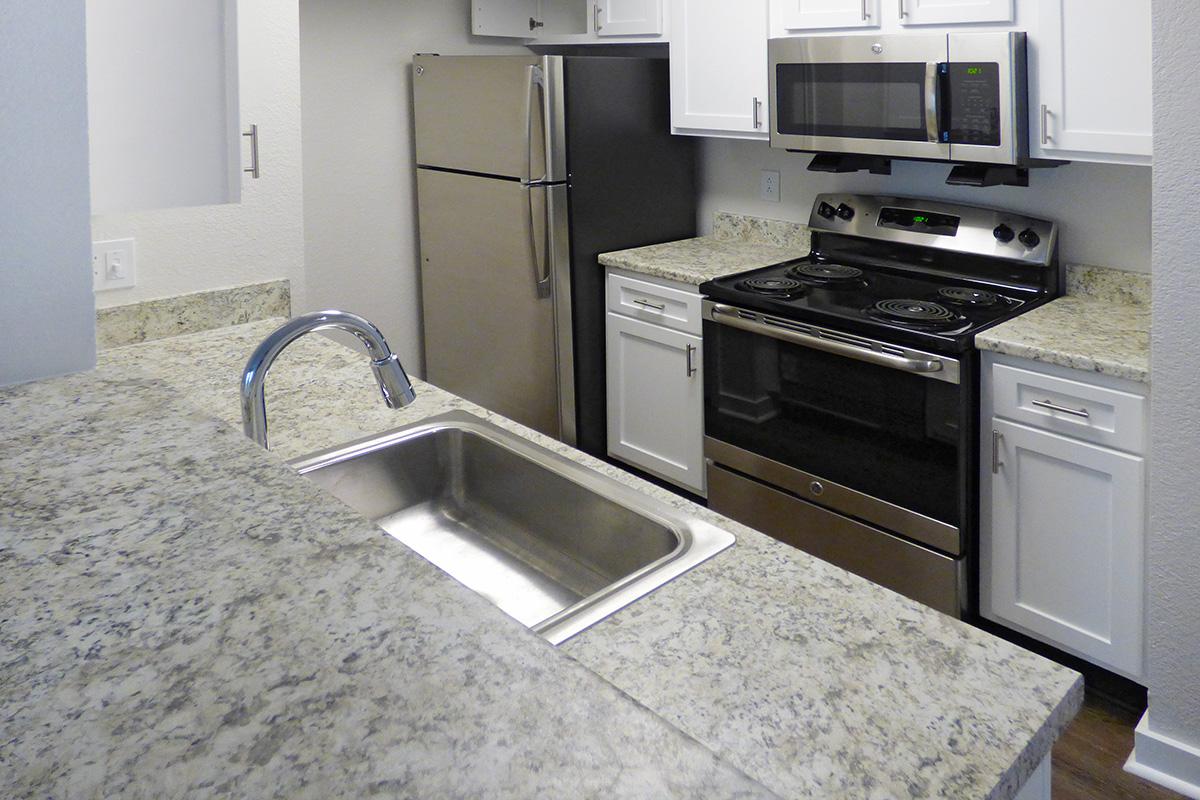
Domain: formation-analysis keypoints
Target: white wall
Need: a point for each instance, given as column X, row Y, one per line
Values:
column 47, row 320
column 1173, row 551
column 1104, row 210
column 262, row 238
column 360, row 188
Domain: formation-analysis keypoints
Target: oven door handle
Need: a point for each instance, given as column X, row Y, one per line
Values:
column 727, row 315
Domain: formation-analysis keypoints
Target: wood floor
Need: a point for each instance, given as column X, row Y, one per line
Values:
column 1089, row 757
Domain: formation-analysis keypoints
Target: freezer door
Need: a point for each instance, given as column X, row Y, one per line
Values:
column 488, row 294
column 490, row 115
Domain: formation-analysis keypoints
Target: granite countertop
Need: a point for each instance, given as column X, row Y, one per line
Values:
column 1102, row 325
column 738, row 244
column 186, row 613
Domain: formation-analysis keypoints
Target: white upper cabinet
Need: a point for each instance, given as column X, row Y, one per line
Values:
column 570, row 21
column 1091, row 98
column 519, row 19
column 724, row 96
column 163, row 120
column 628, row 17
column 801, row 15
column 953, row 12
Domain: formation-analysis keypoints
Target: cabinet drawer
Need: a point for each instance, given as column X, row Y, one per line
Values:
column 1080, row 410
column 653, row 302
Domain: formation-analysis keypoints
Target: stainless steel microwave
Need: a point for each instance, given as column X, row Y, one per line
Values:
column 946, row 97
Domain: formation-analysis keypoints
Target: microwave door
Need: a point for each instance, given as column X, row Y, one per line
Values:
column 870, row 95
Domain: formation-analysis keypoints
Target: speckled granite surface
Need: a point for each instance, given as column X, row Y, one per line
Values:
column 739, row 243
column 809, row 679
column 181, row 615
column 190, row 313
column 1102, row 325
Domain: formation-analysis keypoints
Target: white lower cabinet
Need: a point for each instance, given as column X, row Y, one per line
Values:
column 1062, row 522
column 656, row 399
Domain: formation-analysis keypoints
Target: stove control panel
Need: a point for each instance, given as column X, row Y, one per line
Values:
column 933, row 223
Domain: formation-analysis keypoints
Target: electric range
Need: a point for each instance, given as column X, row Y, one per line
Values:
column 842, row 389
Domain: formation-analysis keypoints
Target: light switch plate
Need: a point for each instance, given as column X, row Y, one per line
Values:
column 770, row 185
column 113, row 265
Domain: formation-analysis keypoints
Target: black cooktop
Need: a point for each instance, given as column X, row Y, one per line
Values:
column 919, row 310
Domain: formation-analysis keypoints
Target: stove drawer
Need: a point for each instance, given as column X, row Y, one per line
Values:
column 1073, row 408
column 920, row 573
column 655, row 302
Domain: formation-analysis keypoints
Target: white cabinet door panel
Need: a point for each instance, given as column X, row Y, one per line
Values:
column 799, row 15
column 728, row 93
column 510, row 18
column 655, row 400
column 1091, row 95
column 629, row 17
column 950, row 12
column 1062, row 560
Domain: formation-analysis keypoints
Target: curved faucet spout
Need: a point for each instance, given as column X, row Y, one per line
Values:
column 393, row 382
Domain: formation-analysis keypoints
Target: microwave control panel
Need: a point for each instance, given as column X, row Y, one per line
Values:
column 972, row 91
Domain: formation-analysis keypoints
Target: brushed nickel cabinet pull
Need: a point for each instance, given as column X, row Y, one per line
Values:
column 596, row 13
column 757, row 117
column 253, row 136
column 648, row 305
column 903, row 12
column 1075, row 412
column 691, row 368
column 1046, row 137
column 997, row 437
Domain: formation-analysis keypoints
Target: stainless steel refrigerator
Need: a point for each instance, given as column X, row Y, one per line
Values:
column 528, row 168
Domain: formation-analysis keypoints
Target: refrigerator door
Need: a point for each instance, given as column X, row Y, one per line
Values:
column 490, row 296
column 491, row 115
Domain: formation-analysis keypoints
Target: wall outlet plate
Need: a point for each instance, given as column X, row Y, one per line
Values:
column 113, row 265
column 770, row 185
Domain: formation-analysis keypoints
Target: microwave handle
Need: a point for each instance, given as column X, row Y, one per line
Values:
column 933, row 101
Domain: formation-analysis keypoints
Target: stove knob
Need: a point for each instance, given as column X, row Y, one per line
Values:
column 825, row 210
column 845, row 212
column 1003, row 234
column 1029, row 238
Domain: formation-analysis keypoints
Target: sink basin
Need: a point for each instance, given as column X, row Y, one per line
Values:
column 554, row 544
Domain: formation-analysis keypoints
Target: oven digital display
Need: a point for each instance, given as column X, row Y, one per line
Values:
column 906, row 219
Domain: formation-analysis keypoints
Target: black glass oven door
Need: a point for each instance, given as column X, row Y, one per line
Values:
column 887, row 433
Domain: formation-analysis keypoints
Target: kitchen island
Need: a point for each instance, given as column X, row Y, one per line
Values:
column 185, row 615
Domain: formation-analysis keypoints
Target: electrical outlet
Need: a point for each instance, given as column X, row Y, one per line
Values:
column 113, row 265
column 770, row 185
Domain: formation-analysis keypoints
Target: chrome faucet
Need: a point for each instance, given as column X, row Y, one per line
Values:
column 396, row 387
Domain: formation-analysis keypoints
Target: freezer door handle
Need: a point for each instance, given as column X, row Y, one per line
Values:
column 543, row 260
column 536, row 82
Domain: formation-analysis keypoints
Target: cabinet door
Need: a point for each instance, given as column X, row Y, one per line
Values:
column 1091, row 98
column 513, row 18
column 949, row 12
column 655, row 400
column 799, row 15
column 163, row 120
column 719, row 94
column 629, row 17
column 1062, row 550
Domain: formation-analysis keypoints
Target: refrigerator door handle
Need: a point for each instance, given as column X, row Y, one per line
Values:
column 536, row 82
column 541, row 263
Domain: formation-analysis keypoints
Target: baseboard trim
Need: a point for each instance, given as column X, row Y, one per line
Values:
column 1165, row 761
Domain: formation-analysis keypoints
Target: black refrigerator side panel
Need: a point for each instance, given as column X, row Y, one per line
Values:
column 631, row 184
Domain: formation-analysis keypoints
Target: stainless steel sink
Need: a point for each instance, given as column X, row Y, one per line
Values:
column 554, row 544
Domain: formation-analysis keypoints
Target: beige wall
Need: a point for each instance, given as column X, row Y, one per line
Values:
column 360, row 186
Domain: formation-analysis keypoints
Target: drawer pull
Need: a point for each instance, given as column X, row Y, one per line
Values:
column 691, row 368
column 647, row 304
column 1075, row 412
column 997, row 436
